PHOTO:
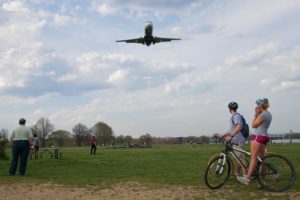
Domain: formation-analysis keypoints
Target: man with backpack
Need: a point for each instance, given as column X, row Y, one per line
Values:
column 237, row 134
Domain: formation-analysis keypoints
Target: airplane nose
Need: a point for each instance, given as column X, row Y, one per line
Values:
column 148, row 24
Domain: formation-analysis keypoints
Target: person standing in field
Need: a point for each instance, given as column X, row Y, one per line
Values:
column 36, row 145
column 20, row 138
column 235, row 136
column 261, row 123
column 93, row 145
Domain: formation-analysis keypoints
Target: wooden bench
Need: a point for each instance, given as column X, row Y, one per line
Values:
column 34, row 154
column 56, row 156
column 53, row 152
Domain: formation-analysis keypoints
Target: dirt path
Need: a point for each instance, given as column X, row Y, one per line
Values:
column 31, row 191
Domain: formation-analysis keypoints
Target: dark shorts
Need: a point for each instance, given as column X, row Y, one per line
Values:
column 36, row 147
column 261, row 139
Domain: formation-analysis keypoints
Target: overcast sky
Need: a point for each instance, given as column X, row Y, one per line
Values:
column 59, row 60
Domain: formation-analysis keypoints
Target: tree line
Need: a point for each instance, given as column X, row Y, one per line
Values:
column 80, row 135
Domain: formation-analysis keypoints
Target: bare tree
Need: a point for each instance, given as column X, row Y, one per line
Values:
column 103, row 132
column 119, row 140
column 128, row 140
column 81, row 134
column 3, row 134
column 3, row 141
column 146, row 139
column 43, row 128
column 60, row 137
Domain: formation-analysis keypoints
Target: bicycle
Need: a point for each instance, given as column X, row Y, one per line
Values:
column 232, row 164
column 274, row 172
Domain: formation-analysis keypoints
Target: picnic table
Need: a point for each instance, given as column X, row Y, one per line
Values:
column 53, row 152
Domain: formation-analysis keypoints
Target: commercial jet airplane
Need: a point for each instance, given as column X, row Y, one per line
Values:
column 148, row 38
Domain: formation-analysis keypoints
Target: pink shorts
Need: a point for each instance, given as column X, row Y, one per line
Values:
column 261, row 139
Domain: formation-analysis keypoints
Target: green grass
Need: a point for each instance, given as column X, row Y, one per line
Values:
column 182, row 165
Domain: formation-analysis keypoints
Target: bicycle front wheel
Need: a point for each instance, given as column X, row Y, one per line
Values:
column 276, row 173
column 232, row 165
column 217, row 172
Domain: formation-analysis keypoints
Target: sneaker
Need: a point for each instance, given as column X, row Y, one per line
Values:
column 238, row 177
column 243, row 179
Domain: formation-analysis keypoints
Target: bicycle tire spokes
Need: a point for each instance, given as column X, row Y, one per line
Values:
column 217, row 172
column 276, row 173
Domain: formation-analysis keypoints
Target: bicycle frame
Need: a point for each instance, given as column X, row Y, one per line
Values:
column 230, row 149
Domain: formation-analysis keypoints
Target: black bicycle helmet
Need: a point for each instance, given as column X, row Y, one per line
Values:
column 233, row 105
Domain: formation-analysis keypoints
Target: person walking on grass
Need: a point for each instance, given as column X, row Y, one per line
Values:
column 261, row 122
column 20, row 138
column 93, row 145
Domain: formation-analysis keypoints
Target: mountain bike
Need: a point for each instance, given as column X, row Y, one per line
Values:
column 274, row 172
column 232, row 163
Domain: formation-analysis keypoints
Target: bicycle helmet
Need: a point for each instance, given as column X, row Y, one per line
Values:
column 263, row 102
column 233, row 105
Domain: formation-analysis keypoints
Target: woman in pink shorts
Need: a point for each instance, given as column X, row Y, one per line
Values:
column 261, row 122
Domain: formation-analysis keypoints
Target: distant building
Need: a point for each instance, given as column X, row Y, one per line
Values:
column 214, row 140
column 291, row 137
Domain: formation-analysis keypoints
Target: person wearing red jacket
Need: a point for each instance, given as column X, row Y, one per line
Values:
column 93, row 145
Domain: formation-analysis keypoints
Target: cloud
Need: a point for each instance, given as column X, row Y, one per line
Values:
column 275, row 67
column 285, row 71
column 137, row 72
column 193, row 83
column 20, row 30
column 34, row 70
column 268, row 82
column 61, row 20
column 16, row 101
column 17, row 64
column 31, row 70
column 22, row 22
column 106, row 9
column 91, row 61
column 244, row 22
column 14, row 6
column 254, row 56
column 287, row 86
column 117, row 76
column 67, row 77
column 145, row 9
column 288, row 62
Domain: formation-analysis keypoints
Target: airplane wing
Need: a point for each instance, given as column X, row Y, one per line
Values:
column 159, row 39
column 136, row 40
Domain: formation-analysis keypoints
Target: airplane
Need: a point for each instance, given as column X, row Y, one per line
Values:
column 148, row 38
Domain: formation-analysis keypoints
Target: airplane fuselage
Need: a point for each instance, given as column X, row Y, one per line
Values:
column 148, row 37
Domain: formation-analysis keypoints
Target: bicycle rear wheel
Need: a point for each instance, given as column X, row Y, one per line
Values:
column 217, row 172
column 276, row 173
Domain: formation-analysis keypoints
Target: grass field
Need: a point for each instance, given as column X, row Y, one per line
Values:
column 174, row 165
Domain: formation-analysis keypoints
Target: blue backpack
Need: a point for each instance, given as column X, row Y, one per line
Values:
column 245, row 130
